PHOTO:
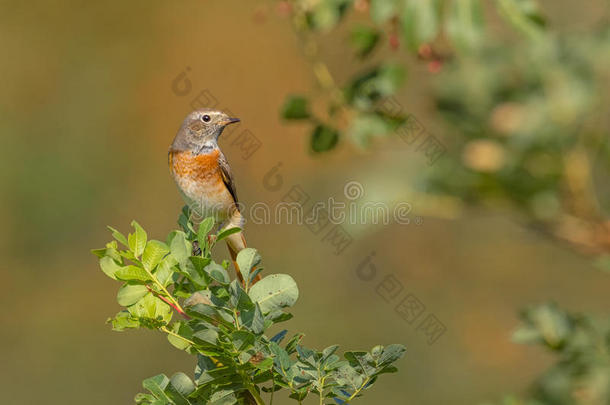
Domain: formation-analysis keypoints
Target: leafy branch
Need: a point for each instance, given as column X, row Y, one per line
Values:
column 224, row 323
column 357, row 109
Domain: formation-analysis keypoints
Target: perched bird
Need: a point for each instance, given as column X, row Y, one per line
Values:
column 203, row 174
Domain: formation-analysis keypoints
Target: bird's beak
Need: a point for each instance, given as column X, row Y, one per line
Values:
column 230, row 121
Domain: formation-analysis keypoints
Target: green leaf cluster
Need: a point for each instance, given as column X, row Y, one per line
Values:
column 363, row 98
column 522, row 120
column 177, row 288
column 580, row 344
column 362, row 108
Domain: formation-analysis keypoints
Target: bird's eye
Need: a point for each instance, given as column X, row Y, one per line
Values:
column 205, row 118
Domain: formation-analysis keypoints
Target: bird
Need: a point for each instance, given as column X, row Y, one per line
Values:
column 203, row 175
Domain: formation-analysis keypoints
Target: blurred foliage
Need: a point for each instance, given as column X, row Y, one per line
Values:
column 224, row 323
column 356, row 109
column 581, row 343
column 528, row 116
column 532, row 131
column 530, row 125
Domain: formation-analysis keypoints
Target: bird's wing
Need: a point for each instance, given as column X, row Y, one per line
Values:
column 227, row 177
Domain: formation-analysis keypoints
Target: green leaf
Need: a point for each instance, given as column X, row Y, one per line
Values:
column 223, row 396
column 179, row 246
column 151, row 307
column 144, row 399
column 390, row 78
column 294, row 341
column 199, row 264
column 176, row 397
column 365, row 127
column 323, row 138
column 252, row 318
column 189, row 270
column 253, row 275
column 227, row 232
column 242, row 340
column 247, row 259
column 130, row 294
column 132, row 273
column 165, row 270
column 118, row 236
column 184, row 220
column 265, row 364
column 239, row 299
column 465, row 23
column 274, row 292
column 109, row 267
column 183, row 330
column 374, row 84
column 206, row 337
column 137, row 240
column 329, row 351
column 156, row 385
column 282, row 359
column 349, row 378
column 420, row 22
column 551, row 325
column 277, row 316
column 124, row 320
column 258, row 321
column 364, row 39
column 327, row 14
column 111, row 250
column 524, row 15
column 210, row 314
column 383, row 10
column 391, row 353
column 204, row 229
column 182, row 383
column 218, row 273
column 306, row 355
column 295, row 108
column 154, row 252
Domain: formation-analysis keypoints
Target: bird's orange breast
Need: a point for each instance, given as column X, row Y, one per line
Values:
column 201, row 168
column 200, row 181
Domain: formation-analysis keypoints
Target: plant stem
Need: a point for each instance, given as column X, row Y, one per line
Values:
column 236, row 317
column 366, row 381
column 272, row 388
column 257, row 397
column 168, row 302
column 190, row 342
column 169, row 332
column 162, row 287
column 321, row 389
column 251, row 388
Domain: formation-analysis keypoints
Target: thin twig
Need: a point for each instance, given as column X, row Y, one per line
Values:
column 168, row 302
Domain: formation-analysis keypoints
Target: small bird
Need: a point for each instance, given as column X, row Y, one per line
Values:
column 203, row 174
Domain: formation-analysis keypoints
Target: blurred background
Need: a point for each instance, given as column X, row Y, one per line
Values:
column 512, row 214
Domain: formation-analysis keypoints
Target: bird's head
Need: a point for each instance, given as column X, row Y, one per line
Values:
column 201, row 129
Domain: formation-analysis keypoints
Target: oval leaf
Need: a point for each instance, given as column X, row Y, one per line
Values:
column 130, row 294
column 247, row 259
column 274, row 292
column 132, row 273
column 137, row 240
column 323, row 138
column 109, row 266
column 154, row 252
column 295, row 108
